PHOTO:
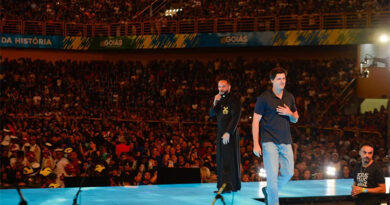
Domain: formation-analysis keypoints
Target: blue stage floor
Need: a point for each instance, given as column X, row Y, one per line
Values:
column 175, row 194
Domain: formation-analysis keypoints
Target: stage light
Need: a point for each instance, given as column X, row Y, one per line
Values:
column 171, row 12
column 383, row 38
column 262, row 173
column 366, row 73
column 331, row 171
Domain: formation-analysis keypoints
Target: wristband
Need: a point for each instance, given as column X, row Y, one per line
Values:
column 364, row 190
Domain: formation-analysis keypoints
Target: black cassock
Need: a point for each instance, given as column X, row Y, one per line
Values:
column 228, row 111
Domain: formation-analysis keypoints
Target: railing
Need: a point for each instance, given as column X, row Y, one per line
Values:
column 342, row 98
column 220, row 25
column 305, row 128
column 152, row 10
column 330, row 131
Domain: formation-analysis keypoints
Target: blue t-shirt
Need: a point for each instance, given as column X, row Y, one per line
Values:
column 274, row 127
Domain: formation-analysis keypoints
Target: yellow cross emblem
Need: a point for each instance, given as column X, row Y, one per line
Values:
column 225, row 110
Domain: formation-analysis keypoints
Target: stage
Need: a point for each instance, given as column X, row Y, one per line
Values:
column 178, row 193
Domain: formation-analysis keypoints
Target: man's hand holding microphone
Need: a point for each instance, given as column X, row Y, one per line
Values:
column 216, row 99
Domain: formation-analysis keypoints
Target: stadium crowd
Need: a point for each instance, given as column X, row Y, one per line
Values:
column 83, row 11
column 255, row 8
column 106, row 11
column 125, row 120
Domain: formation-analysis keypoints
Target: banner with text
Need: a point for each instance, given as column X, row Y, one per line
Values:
column 31, row 41
column 200, row 40
column 240, row 39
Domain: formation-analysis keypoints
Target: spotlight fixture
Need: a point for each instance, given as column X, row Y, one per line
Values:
column 172, row 12
column 262, row 173
column 364, row 72
column 383, row 38
column 331, row 171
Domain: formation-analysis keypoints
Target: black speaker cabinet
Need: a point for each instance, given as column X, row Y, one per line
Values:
column 88, row 181
column 178, row 175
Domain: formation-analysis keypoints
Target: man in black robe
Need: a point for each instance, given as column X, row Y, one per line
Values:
column 227, row 109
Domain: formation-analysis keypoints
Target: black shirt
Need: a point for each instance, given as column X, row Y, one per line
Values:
column 274, row 127
column 227, row 111
column 368, row 177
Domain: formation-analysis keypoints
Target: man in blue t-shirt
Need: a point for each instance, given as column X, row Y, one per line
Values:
column 275, row 109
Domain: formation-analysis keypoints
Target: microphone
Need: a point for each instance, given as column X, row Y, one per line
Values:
column 81, row 184
column 22, row 200
column 219, row 196
column 216, row 101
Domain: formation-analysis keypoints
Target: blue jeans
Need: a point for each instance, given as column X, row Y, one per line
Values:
column 273, row 155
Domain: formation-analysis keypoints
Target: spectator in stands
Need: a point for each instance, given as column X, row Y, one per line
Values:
column 346, row 173
column 19, row 160
column 296, row 174
column 60, row 164
column 20, row 179
column 47, row 160
column 122, row 146
column 206, row 176
column 306, row 174
column 5, row 181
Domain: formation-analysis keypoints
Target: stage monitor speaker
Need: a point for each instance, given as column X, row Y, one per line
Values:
column 178, row 175
column 88, row 182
